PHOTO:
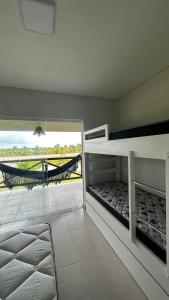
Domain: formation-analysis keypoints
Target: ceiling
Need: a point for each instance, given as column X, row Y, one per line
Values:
column 23, row 125
column 100, row 48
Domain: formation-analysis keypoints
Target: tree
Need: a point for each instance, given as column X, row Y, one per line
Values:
column 25, row 151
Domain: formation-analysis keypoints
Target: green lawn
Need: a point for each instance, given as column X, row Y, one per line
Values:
column 29, row 164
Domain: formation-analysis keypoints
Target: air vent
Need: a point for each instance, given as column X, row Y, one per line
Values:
column 38, row 15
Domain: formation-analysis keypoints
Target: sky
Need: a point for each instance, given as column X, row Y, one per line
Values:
column 9, row 139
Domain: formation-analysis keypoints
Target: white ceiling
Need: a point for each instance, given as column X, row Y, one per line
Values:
column 23, row 125
column 100, row 48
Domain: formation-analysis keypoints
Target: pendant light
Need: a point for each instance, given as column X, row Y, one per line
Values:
column 39, row 131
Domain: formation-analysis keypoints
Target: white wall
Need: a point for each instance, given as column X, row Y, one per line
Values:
column 20, row 103
column 147, row 171
column 146, row 104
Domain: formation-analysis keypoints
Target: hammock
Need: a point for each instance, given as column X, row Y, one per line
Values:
column 14, row 177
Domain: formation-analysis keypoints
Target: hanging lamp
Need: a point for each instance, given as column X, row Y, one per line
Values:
column 39, row 131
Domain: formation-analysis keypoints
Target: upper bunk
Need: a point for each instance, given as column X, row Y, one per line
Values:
column 151, row 141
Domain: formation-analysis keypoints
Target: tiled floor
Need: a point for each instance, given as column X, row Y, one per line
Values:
column 87, row 267
column 23, row 204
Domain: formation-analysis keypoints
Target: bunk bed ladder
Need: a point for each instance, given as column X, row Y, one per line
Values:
column 167, row 215
column 132, row 202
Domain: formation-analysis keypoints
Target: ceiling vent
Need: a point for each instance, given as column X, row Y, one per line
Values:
column 38, row 15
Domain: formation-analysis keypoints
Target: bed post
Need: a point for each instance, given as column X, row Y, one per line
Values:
column 167, row 214
column 132, row 202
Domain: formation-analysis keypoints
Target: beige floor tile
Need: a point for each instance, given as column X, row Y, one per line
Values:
column 8, row 218
column 72, row 284
column 65, row 250
column 78, row 219
column 29, row 214
column 40, row 201
column 111, row 280
column 9, row 203
column 88, row 241
column 58, row 224
column 113, row 265
column 100, row 283
column 5, row 211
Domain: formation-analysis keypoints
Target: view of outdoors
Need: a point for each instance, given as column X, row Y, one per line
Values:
column 23, row 149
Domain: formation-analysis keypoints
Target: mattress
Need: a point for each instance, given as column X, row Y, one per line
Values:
column 27, row 268
column 146, row 130
column 151, row 213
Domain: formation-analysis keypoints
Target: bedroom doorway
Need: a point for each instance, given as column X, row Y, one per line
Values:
column 25, row 153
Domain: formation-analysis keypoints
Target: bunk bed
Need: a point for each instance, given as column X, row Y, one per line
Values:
column 131, row 214
column 151, row 213
column 146, row 130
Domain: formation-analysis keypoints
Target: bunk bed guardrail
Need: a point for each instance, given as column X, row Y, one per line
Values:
column 100, row 134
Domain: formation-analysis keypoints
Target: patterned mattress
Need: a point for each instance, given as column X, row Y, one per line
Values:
column 26, row 264
column 151, row 212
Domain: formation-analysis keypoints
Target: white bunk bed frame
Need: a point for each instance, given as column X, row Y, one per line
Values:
column 148, row 270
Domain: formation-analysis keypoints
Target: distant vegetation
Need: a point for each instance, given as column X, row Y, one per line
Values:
column 25, row 151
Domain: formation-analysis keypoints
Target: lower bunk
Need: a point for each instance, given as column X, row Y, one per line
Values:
column 146, row 268
column 151, row 213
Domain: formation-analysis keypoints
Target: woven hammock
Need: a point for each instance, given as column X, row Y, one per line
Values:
column 14, row 177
